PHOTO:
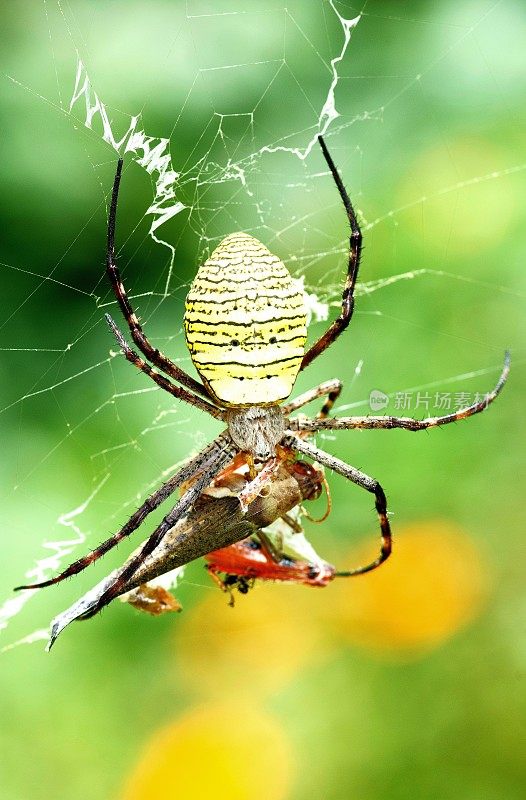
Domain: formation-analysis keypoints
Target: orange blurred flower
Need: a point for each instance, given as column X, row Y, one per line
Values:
column 434, row 583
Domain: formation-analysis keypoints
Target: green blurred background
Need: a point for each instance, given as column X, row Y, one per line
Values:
column 401, row 685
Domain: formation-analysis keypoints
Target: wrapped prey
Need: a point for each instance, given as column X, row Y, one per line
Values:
column 230, row 510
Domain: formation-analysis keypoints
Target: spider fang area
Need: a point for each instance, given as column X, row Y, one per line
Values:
column 256, row 430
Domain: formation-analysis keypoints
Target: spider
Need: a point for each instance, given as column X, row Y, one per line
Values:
column 245, row 326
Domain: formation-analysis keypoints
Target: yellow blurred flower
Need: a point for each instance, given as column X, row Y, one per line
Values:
column 233, row 752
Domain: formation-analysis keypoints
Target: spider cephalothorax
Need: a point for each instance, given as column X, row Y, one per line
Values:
column 256, row 429
column 246, row 330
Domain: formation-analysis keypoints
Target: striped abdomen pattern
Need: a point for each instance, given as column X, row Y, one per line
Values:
column 245, row 324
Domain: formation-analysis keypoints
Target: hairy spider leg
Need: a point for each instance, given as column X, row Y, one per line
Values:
column 330, row 389
column 160, row 380
column 221, row 457
column 355, row 250
column 407, row 423
column 201, row 461
column 154, row 355
column 360, row 479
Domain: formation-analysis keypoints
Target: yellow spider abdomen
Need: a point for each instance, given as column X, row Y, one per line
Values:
column 245, row 324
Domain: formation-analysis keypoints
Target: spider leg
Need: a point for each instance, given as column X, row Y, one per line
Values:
column 355, row 249
column 330, row 389
column 407, row 423
column 220, row 457
column 160, row 380
column 152, row 353
column 202, row 460
column 360, row 479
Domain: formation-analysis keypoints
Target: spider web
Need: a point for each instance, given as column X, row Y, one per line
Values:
column 249, row 168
